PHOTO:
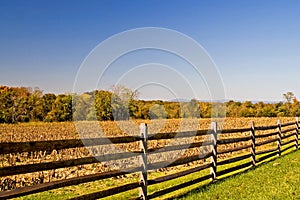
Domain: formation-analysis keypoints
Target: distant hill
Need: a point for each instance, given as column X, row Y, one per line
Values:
column 225, row 100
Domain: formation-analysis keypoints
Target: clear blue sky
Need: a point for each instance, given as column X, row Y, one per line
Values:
column 254, row 43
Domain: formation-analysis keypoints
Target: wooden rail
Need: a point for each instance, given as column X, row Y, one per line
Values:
column 282, row 134
column 63, row 183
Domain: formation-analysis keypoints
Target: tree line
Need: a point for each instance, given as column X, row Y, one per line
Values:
column 24, row 104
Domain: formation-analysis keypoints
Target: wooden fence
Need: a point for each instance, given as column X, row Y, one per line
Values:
column 284, row 135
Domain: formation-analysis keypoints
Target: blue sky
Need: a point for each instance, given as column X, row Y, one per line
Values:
column 255, row 44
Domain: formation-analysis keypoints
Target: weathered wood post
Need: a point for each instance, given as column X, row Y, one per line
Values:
column 279, row 137
column 252, row 149
column 143, row 161
column 297, row 134
column 213, row 158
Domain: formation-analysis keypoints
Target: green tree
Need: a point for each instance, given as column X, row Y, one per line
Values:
column 233, row 108
column 47, row 102
column 103, row 105
column 35, row 102
column 190, row 109
column 157, row 111
column 61, row 109
column 82, row 106
column 121, row 101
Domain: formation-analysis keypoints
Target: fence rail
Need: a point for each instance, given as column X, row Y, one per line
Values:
column 285, row 135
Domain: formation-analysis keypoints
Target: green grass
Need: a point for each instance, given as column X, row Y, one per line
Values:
column 86, row 188
column 277, row 179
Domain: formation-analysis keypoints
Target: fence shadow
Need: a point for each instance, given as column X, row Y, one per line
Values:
column 221, row 180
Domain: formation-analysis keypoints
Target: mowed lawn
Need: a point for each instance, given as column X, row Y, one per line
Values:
column 278, row 179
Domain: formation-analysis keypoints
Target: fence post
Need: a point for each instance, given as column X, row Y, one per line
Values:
column 297, row 133
column 279, row 137
column 213, row 158
column 252, row 150
column 143, row 161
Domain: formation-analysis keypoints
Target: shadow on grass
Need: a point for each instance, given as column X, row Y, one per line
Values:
column 220, row 180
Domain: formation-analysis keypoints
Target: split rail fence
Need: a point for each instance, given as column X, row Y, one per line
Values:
column 285, row 137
